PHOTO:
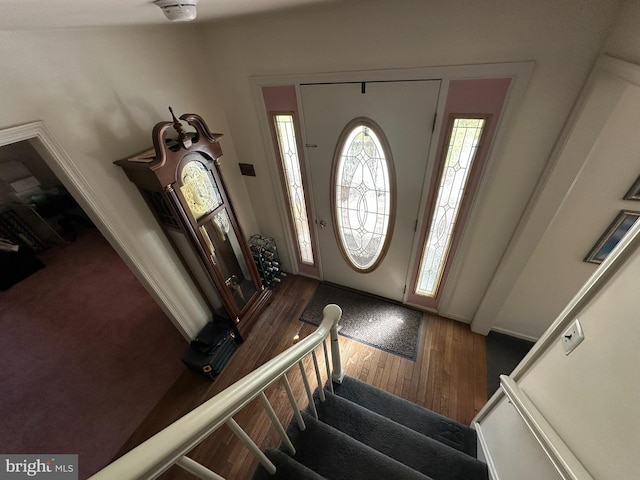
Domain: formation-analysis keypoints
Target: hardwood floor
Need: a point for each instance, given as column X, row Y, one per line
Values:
column 448, row 376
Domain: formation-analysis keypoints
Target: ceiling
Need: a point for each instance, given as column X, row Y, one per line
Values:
column 43, row 14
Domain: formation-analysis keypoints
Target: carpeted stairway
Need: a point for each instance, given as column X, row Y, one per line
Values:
column 364, row 433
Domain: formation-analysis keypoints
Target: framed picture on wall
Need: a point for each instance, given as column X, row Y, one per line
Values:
column 634, row 191
column 612, row 236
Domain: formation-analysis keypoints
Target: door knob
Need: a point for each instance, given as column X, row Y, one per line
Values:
column 322, row 224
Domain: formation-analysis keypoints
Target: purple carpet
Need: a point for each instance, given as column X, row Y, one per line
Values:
column 86, row 354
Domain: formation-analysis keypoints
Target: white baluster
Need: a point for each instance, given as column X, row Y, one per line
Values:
column 250, row 444
column 315, row 365
column 292, row 401
column 326, row 364
column 338, row 373
column 276, row 423
column 312, row 404
column 197, row 469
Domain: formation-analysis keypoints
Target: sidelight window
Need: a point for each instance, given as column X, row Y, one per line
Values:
column 463, row 141
column 288, row 149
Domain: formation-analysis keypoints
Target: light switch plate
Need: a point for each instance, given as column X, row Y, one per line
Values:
column 572, row 337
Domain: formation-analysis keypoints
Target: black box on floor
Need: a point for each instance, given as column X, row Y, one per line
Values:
column 209, row 352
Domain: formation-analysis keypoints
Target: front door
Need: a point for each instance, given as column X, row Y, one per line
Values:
column 402, row 114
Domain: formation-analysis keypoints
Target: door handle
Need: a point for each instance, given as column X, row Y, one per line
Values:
column 322, row 224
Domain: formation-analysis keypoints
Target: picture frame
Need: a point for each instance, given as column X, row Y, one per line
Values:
column 612, row 236
column 634, row 191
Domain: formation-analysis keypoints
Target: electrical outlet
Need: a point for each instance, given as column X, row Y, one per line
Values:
column 572, row 337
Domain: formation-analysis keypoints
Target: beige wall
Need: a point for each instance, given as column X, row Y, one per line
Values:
column 562, row 38
column 605, row 163
column 589, row 175
column 624, row 40
column 589, row 397
column 100, row 92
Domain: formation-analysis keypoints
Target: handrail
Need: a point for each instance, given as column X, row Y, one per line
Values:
column 563, row 459
column 151, row 458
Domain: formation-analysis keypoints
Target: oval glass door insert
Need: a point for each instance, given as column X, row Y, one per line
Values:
column 363, row 196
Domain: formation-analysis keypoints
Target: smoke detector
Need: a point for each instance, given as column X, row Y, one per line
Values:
column 178, row 10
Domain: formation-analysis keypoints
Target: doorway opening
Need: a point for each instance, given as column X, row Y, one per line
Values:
column 78, row 330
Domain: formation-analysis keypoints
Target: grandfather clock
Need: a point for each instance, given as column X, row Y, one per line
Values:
column 181, row 182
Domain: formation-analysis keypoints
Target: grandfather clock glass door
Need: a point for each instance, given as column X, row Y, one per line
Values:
column 224, row 248
column 216, row 231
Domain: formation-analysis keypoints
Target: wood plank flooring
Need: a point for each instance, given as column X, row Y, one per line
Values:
column 448, row 376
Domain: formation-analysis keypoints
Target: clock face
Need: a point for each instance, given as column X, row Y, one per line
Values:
column 199, row 189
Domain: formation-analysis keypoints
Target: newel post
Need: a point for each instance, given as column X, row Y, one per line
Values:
column 335, row 312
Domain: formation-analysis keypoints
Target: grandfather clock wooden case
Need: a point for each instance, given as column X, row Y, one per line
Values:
column 181, row 182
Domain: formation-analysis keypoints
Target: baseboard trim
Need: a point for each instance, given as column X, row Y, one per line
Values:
column 457, row 318
column 514, row 334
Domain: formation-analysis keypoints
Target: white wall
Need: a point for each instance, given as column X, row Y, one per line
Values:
column 587, row 178
column 608, row 166
column 100, row 92
column 562, row 38
column 624, row 39
column 513, row 452
column 589, row 397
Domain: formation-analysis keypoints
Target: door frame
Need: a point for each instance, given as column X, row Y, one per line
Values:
column 63, row 167
column 408, row 166
column 519, row 72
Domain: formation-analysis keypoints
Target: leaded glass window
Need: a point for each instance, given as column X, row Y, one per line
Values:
column 464, row 138
column 363, row 194
column 288, row 148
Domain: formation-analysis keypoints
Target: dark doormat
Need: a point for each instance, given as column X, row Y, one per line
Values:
column 504, row 353
column 368, row 319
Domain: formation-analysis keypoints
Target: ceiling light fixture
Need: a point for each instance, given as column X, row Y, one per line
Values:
column 178, row 10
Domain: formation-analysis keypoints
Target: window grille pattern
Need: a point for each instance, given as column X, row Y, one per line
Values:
column 289, row 158
column 363, row 197
column 463, row 145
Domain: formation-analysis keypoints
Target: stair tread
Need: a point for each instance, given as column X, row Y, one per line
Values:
column 420, row 452
column 287, row 468
column 415, row 417
column 336, row 456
